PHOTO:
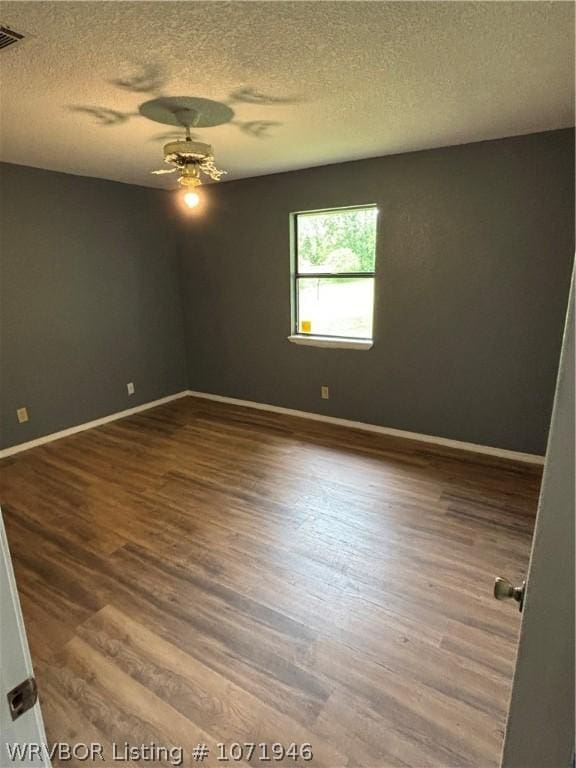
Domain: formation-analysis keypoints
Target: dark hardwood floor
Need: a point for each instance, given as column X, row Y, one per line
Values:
column 204, row 573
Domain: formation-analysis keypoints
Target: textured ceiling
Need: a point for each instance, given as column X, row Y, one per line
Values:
column 339, row 80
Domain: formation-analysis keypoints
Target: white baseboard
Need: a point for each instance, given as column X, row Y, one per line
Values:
column 88, row 425
column 488, row 450
column 503, row 453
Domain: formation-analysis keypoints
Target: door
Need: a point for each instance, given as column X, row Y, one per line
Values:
column 22, row 737
column 540, row 730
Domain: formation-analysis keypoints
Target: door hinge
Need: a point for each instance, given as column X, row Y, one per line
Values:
column 22, row 698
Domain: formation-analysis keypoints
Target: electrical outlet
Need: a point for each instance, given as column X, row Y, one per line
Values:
column 324, row 393
column 130, row 387
column 22, row 414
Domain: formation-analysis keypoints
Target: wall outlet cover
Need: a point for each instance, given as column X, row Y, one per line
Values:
column 325, row 393
column 22, row 414
column 130, row 387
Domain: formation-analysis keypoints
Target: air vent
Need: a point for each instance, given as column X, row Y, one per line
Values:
column 9, row 37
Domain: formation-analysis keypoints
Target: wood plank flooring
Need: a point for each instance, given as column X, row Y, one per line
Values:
column 204, row 573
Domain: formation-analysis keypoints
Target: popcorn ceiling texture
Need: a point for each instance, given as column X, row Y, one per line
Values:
column 362, row 79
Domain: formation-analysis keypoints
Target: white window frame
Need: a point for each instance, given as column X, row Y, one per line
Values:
column 309, row 339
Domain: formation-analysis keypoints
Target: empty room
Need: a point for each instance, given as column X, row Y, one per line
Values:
column 287, row 384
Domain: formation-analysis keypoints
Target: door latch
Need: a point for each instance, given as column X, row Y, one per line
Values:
column 22, row 698
column 505, row 590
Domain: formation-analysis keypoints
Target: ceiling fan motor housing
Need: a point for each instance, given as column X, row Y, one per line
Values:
column 182, row 152
column 191, row 158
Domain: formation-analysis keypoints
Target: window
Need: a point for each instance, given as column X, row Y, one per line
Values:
column 333, row 280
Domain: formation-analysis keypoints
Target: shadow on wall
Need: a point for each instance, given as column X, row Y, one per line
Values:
column 152, row 80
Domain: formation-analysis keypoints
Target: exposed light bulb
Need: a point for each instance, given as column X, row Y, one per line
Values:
column 192, row 199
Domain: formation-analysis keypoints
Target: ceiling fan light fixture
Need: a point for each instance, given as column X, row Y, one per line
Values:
column 192, row 199
column 193, row 160
column 190, row 175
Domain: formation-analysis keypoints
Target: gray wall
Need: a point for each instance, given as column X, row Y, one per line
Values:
column 103, row 283
column 473, row 267
column 89, row 300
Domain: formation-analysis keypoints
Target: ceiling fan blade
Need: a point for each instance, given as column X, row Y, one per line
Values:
column 164, row 170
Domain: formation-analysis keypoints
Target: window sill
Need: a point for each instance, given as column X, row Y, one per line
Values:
column 330, row 342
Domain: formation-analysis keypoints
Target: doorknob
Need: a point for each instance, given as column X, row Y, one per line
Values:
column 504, row 590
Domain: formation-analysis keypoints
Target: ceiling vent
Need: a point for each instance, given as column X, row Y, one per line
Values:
column 9, row 37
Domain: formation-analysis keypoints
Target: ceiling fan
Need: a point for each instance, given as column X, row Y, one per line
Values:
column 191, row 159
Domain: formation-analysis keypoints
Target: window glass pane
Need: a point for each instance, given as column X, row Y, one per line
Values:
column 337, row 241
column 336, row 306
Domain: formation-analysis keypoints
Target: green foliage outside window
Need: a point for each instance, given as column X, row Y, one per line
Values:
column 337, row 241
